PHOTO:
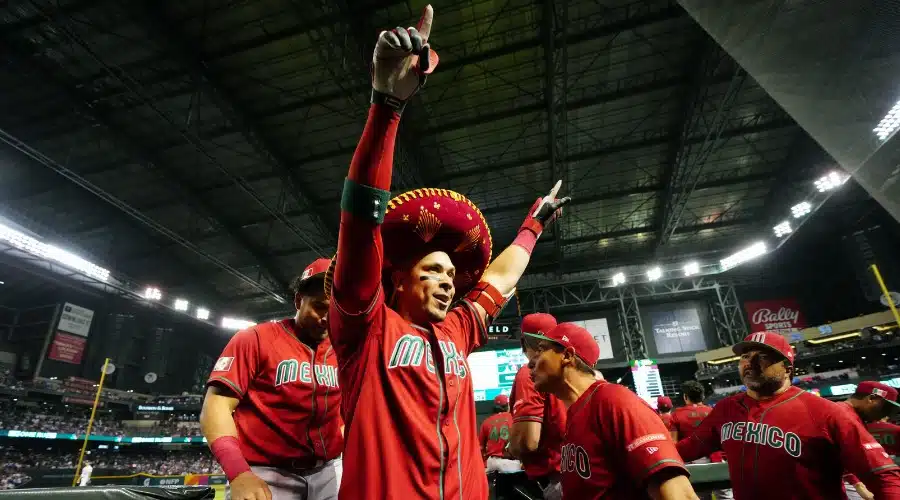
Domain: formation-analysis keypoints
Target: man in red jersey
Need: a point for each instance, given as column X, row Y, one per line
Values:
column 783, row 442
column 688, row 417
column 494, row 437
column 870, row 402
column 615, row 445
column 272, row 408
column 887, row 434
column 400, row 336
column 664, row 408
column 539, row 420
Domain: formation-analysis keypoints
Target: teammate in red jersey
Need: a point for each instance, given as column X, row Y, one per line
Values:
column 688, row 417
column 400, row 337
column 495, row 435
column 615, row 445
column 870, row 402
column 887, row 434
column 271, row 413
column 664, row 409
column 539, row 420
column 783, row 442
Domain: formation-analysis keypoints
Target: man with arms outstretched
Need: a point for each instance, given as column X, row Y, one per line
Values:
column 400, row 336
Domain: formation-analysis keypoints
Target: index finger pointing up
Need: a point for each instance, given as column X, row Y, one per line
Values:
column 425, row 21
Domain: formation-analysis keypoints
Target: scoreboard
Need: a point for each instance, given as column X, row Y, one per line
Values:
column 493, row 372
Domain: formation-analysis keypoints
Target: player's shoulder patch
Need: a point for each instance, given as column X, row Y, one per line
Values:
column 223, row 364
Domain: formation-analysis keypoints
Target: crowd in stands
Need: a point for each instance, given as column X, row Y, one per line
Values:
column 16, row 463
column 183, row 400
column 74, row 420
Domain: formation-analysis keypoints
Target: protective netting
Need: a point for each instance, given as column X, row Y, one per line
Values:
column 833, row 65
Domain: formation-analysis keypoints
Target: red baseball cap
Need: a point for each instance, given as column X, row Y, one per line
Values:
column 771, row 341
column 873, row 388
column 316, row 270
column 501, row 400
column 538, row 323
column 574, row 336
column 664, row 403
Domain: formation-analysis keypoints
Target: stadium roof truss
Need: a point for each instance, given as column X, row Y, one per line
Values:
column 202, row 145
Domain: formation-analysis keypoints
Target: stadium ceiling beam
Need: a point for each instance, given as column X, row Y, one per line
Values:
column 556, row 22
column 690, row 156
column 19, row 52
column 634, row 16
column 176, row 45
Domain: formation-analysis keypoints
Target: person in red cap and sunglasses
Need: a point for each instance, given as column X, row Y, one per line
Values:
column 539, row 420
column 272, row 408
column 413, row 290
column 615, row 445
column 783, row 442
column 871, row 402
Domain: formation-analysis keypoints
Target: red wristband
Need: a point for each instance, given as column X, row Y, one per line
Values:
column 227, row 451
column 526, row 239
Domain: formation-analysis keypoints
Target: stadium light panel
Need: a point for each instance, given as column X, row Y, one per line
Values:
column 831, row 181
column 202, row 313
column 654, row 273
column 236, row 323
column 691, row 268
column 801, row 209
column 152, row 293
column 889, row 124
column 181, row 305
column 782, row 229
column 28, row 244
column 618, row 279
column 753, row 251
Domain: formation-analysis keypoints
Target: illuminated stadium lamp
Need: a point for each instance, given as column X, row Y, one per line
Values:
column 834, row 338
column 151, row 293
column 49, row 252
column 801, row 209
column 753, row 251
column 202, row 313
column 782, row 229
column 236, row 324
column 889, row 124
column 654, row 274
column 181, row 305
column 831, row 181
column 618, row 279
column 691, row 268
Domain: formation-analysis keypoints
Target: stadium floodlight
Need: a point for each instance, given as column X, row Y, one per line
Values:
column 181, row 304
column 28, row 244
column 654, row 273
column 889, row 124
column 753, row 251
column 202, row 313
column 618, row 279
column 801, row 209
column 782, row 229
column 691, row 268
column 236, row 324
column 831, row 181
column 152, row 293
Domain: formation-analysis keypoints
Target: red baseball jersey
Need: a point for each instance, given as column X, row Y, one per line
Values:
column 795, row 445
column 667, row 421
column 409, row 404
column 687, row 418
column 495, row 434
column 888, row 435
column 289, row 410
column 529, row 405
column 613, row 445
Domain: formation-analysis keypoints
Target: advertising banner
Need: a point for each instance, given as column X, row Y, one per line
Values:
column 67, row 348
column 600, row 331
column 678, row 330
column 75, row 319
column 778, row 315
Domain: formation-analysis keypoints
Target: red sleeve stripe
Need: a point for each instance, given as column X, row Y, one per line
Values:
column 665, row 462
column 526, row 418
column 883, row 467
column 231, row 385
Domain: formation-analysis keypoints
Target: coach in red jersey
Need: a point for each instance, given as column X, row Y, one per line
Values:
column 272, row 408
column 783, row 442
column 539, row 420
column 615, row 445
column 412, row 291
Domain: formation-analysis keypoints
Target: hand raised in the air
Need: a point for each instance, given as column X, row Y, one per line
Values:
column 403, row 58
column 547, row 209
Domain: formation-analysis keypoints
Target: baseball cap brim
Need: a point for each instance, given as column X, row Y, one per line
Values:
column 746, row 345
column 896, row 404
column 548, row 339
